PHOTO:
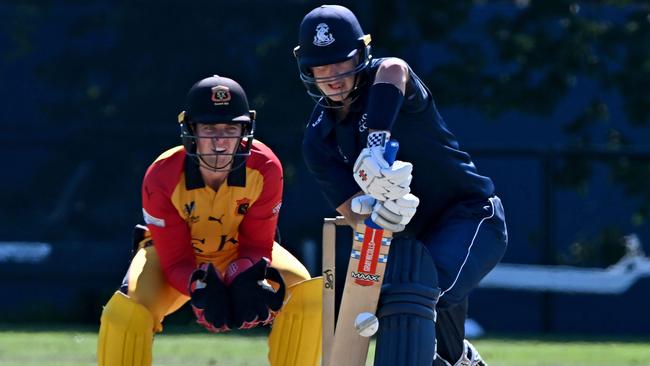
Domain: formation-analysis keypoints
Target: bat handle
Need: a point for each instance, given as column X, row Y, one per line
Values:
column 390, row 151
column 390, row 154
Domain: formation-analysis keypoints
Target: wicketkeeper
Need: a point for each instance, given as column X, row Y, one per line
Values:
column 211, row 209
column 450, row 225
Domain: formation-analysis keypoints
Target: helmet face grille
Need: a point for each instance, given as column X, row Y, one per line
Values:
column 328, row 35
column 238, row 158
column 216, row 100
column 311, row 82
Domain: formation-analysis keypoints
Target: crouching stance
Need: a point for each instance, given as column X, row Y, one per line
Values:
column 211, row 208
column 448, row 223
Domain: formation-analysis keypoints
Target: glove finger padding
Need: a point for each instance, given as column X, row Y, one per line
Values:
column 398, row 173
column 394, row 215
column 405, row 206
column 390, row 182
column 254, row 301
column 386, row 224
column 209, row 299
column 362, row 205
column 407, row 183
column 387, row 191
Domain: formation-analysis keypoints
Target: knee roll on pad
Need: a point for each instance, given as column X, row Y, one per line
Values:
column 406, row 312
column 295, row 338
column 125, row 333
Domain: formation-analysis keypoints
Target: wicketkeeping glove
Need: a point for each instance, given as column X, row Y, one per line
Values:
column 375, row 176
column 253, row 300
column 209, row 298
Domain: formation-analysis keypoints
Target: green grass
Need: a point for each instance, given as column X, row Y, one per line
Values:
column 528, row 351
column 69, row 346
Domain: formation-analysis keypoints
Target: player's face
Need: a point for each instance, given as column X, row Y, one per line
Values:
column 215, row 140
column 336, row 81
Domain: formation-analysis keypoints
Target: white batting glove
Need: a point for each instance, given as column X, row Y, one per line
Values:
column 391, row 215
column 379, row 180
column 363, row 204
column 395, row 214
column 375, row 176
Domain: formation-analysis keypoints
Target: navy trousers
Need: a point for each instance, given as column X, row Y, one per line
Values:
column 466, row 244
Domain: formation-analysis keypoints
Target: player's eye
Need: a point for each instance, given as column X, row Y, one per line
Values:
column 232, row 131
column 207, row 130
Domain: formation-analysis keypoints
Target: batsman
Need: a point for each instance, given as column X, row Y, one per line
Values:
column 211, row 208
column 449, row 224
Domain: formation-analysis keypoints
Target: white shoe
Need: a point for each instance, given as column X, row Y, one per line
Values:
column 470, row 357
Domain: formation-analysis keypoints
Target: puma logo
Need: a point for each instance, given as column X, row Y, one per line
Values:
column 196, row 243
column 212, row 218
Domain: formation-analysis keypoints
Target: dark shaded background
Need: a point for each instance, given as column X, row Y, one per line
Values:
column 552, row 98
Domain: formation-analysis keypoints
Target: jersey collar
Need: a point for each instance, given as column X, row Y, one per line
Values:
column 237, row 177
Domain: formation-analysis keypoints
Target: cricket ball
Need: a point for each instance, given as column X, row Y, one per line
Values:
column 366, row 324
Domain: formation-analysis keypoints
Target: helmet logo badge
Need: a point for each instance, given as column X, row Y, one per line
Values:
column 220, row 95
column 323, row 36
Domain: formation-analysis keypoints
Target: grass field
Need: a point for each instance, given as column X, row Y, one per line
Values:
column 68, row 346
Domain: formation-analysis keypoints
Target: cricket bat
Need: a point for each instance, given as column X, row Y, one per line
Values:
column 362, row 286
column 329, row 269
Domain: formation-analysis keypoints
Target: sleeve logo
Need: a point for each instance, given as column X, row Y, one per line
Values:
column 151, row 220
column 276, row 209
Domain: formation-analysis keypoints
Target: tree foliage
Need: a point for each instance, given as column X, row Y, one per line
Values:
column 112, row 76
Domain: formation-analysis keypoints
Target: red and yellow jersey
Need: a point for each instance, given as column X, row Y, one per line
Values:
column 192, row 223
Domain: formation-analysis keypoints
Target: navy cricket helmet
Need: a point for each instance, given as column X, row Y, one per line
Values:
column 214, row 100
column 330, row 34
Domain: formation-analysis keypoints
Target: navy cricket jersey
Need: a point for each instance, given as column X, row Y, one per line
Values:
column 443, row 174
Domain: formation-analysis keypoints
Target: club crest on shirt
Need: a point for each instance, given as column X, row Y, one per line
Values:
column 323, row 36
column 242, row 206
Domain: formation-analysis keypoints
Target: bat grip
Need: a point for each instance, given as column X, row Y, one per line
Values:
column 390, row 151
column 390, row 154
